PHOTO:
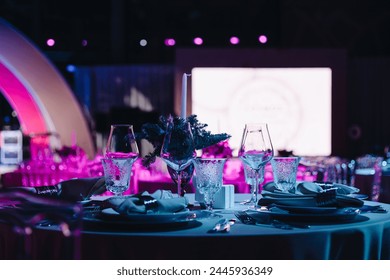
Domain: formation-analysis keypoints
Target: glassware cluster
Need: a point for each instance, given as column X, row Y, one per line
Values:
column 48, row 166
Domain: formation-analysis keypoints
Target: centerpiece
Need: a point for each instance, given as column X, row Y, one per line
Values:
column 174, row 128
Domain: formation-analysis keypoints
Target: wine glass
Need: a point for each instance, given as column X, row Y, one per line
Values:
column 185, row 176
column 255, row 151
column 178, row 150
column 120, row 155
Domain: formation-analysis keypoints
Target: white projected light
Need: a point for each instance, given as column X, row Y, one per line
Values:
column 295, row 102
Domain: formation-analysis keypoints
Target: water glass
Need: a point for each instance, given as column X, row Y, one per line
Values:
column 285, row 172
column 209, row 176
column 117, row 174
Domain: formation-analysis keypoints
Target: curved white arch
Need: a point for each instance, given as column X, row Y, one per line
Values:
column 38, row 93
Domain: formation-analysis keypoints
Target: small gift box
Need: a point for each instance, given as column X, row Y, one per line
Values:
column 224, row 198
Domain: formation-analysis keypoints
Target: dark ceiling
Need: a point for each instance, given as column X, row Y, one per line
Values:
column 114, row 28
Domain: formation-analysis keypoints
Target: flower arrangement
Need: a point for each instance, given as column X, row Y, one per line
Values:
column 155, row 132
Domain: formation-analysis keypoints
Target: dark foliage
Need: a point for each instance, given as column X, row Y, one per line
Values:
column 155, row 133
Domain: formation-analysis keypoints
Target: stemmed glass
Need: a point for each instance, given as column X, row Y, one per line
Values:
column 255, row 151
column 250, row 177
column 178, row 150
column 121, row 152
column 209, row 176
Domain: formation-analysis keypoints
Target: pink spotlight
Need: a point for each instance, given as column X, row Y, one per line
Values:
column 263, row 39
column 198, row 41
column 50, row 42
column 84, row 43
column 170, row 42
column 234, row 40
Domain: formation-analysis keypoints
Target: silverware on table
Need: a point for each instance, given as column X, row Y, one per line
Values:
column 265, row 219
column 373, row 209
column 223, row 225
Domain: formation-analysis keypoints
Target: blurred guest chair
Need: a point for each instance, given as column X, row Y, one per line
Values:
column 22, row 213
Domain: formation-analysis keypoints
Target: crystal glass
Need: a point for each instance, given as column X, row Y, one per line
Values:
column 285, row 173
column 209, row 175
column 117, row 174
column 255, row 151
column 178, row 150
column 121, row 142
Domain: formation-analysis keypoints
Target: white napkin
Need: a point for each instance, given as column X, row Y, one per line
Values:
column 309, row 188
column 309, row 194
column 166, row 203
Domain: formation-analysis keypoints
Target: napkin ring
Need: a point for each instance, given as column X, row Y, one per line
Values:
column 149, row 201
column 324, row 185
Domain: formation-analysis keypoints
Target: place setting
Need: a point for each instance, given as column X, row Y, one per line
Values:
column 157, row 211
column 284, row 200
column 314, row 202
column 161, row 209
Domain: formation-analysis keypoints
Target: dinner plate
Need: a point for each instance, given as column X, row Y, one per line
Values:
column 339, row 215
column 308, row 210
column 109, row 217
column 149, row 218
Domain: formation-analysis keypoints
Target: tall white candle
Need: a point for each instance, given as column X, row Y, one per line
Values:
column 184, row 96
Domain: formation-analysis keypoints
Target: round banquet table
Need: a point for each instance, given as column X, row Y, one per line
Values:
column 366, row 237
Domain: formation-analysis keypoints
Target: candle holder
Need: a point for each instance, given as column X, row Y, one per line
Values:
column 184, row 96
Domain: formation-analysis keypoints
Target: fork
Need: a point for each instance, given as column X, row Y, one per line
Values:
column 248, row 220
column 245, row 218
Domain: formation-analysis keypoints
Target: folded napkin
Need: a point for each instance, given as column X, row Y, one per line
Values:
column 160, row 201
column 309, row 194
column 312, row 188
column 71, row 190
